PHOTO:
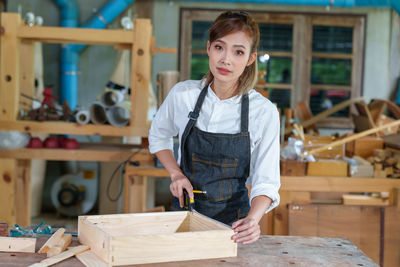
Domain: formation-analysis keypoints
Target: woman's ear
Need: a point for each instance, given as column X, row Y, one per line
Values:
column 252, row 57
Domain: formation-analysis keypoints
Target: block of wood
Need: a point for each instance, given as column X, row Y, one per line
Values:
column 364, row 146
column 140, row 238
column 312, row 142
column 349, row 199
column 293, row 167
column 327, row 168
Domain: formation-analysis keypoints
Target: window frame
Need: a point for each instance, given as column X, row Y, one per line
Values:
column 301, row 54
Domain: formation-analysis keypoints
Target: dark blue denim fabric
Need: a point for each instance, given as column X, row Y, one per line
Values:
column 218, row 163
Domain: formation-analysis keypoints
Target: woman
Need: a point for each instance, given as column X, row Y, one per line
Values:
column 228, row 133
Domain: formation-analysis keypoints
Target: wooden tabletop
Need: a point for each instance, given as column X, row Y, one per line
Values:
column 267, row 251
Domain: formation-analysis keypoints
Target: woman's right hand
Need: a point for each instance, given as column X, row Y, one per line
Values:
column 178, row 183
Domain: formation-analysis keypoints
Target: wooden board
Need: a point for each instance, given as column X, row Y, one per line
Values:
column 391, row 249
column 327, row 168
column 277, row 250
column 86, row 152
column 52, row 241
column 89, row 259
column 7, row 190
column 361, row 225
column 364, row 147
column 312, row 142
column 292, row 167
column 60, row 257
column 17, row 244
column 364, row 200
column 142, row 237
column 23, row 192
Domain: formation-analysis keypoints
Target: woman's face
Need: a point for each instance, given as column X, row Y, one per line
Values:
column 229, row 55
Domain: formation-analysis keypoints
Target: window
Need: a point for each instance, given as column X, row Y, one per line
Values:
column 312, row 57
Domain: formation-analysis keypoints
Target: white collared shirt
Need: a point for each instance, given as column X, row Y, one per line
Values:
column 223, row 116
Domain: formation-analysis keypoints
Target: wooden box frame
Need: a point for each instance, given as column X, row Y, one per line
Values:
column 140, row 238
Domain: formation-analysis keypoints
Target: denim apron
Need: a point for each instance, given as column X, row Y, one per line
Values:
column 219, row 164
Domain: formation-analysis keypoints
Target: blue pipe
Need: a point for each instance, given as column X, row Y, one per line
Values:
column 70, row 52
column 395, row 4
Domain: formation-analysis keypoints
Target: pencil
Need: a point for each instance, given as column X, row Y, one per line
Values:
column 199, row 192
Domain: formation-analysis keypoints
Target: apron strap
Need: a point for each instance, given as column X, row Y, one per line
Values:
column 244, row 121
column 193, row 115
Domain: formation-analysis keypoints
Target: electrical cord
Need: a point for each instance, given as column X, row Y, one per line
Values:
column 122, row 164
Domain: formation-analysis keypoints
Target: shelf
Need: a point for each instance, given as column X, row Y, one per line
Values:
column 305, row 183
column 58, row 127
column 86, row 152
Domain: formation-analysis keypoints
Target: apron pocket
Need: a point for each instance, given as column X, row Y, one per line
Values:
column 219, row 191
column 213, row 169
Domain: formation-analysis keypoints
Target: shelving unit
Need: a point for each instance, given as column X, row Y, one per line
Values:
column 16, row 76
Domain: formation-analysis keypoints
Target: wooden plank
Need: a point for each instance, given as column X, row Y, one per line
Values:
column 391, row 249
column 60, row 246
column 89, row 259
column 135, row 193
column 303, row 220
column 360, row 225
column 60, row 257
column 55, row 127
column 349, row 199
column 337, row 184
column 9, row 67
column 7, row 190
column 75, row 35
column 86, row 152
column 52, row 241
column 23, row 192
column 141, row 72
column 17, row 244
column 26, row 77
column 302, row 39
column 327, row 168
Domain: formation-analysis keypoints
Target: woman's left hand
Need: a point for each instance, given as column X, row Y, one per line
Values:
column 246, row 230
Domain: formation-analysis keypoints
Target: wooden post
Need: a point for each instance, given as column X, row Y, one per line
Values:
column 140, row 73
column 9, row 87
column 23, row 194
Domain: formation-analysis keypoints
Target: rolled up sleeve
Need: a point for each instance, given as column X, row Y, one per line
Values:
column 163, row 127
column 264, row 171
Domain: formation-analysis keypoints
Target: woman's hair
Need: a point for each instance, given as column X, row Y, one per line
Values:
column 231, row 22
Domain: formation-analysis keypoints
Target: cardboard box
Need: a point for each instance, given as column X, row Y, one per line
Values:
column 140, row 238
column 327, row 168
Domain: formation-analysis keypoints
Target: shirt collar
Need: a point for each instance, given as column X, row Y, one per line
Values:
column 234, row 99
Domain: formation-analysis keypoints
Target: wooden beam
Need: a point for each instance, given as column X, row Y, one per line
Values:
column 55, row 127
column 75, row 35
column 7, row 190
column 141, row 69
column 86, row 152
column 17, row 244
column 52, row 241
column 337, row 184
column 23, row 192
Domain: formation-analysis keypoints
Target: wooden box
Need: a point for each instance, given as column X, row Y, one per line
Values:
column 293, row 168
column 140, row 238
column 327, row 168
column 363, row 147
column 312, row 142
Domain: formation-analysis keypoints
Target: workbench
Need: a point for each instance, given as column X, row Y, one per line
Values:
column 267, row 251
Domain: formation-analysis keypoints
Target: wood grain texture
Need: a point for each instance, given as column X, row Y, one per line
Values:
column 23, row 192
column 156, row 237
column 52, row 241
column 17, row 244
column 89, row 259
column 7, row 190
column 60, row 246
column 327, row 168
column 60, row 257
column 75, row 35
